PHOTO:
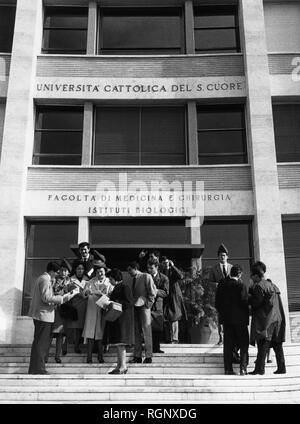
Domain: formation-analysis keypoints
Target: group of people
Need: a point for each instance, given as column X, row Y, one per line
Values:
column 65, row 298
column 234, row 302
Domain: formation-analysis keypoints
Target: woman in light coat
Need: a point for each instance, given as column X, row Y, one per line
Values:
column 94, row 321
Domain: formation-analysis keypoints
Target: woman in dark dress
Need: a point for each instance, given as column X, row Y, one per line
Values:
column 59, row 329
column 79, row 302
column 121, row 331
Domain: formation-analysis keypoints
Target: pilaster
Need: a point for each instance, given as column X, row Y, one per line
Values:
column 268, row 238
column 16, row 156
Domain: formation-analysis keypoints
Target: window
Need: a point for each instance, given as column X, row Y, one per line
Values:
column 237, row 237
column 140, row 31
column 287, row 132
column 221, row 134
column 291, row 239
column 124, row 233
column 58, row 136
column 7, row 23
column 216, row 29
column 65, row 30
column 140, row 136
column 46, row 241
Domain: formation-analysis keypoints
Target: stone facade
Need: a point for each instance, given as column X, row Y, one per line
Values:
column 261, row 189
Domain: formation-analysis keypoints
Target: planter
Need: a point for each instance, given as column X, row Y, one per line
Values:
column 209, row 333
column 195, row 333
column 204, row 333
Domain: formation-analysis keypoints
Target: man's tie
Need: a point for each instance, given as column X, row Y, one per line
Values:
column 224, row 271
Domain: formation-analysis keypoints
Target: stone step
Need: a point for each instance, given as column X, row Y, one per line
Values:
column 65, row 368
column 154, row 389
column 157, row 359
column 151, row 380
column 168, row 348
column 184, row 374
column 181, row 394
column 69, row 389
column 112, row 352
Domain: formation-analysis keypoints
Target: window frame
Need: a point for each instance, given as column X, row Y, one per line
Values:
column 50, row 50
column 219, row 11
column 282, row 104
column 36, row 221
column 9, row 49
column 286, row 219
column 243, row 129
column 126, row 9
column 35, row 154
column 140, row 107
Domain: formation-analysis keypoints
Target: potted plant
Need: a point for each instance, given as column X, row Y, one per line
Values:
column 199, row 298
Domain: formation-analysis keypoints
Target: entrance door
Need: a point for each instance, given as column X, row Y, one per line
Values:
column 121, row 240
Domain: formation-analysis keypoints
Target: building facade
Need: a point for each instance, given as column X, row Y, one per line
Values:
column 124, row 91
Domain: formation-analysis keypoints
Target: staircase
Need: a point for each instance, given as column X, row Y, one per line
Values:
column 183, row 374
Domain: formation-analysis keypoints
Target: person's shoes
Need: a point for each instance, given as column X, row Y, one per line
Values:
column 158, row 351
column 174, row 342
column 243, row 372
column 136, row 360
column 57, row 360
column 118, row 372
column 101, row 360
column 220, row 342
column 39, row 373
column 230, row 373
column 115, row 371
column 147, row 361
column 255, row 372
column 89, row 361
column 280, row 371
column 269, row 361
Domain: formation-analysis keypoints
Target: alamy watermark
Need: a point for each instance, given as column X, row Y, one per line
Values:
column 156, row 198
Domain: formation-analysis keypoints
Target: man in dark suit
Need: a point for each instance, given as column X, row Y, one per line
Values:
column 87, row 259
column 268, row 319
column 42, row 311
column 144, row 293
column 220, row 271
column 157, row 311
column 232, row 306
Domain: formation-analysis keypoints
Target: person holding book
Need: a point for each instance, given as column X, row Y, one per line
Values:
column 121, row 331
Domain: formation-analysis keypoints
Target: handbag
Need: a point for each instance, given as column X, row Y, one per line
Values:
column 113, row 311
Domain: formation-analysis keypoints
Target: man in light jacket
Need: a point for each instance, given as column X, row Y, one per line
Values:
column 144, row 292
column 42, row 311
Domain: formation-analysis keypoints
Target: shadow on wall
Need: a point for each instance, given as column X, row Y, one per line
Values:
column 10, row 302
